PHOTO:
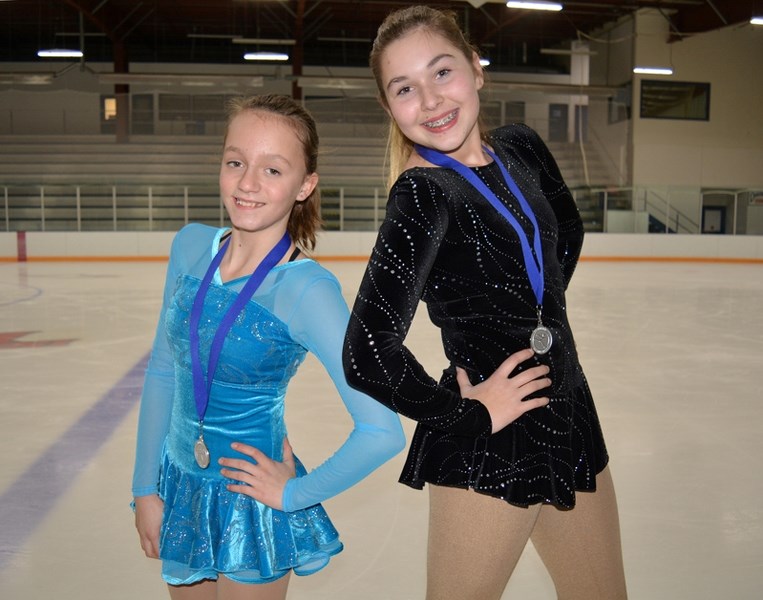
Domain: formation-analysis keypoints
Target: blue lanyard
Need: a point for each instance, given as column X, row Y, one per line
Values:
column 533, row 260
column 202, row 385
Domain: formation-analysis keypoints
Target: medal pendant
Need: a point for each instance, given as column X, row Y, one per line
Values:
column 201, row 453
column 541, row 340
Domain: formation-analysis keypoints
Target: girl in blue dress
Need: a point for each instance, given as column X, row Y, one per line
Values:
column 242, row 307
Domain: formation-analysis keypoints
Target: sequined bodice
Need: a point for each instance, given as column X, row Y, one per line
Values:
column 257, row 361
column 258, row 351
column 445, row 244
column 478, row 291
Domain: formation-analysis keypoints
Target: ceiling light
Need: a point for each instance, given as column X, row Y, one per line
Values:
column 28, row 78
column 535, row 5
column 212, row 36
column 168, row 79
column 279, row 56
column 339, row 83
column 59, row 53
column 563, row 52
column 757, row 20
column 243, row 40
column 357, row 40
column 653, row 70
column 485, row 62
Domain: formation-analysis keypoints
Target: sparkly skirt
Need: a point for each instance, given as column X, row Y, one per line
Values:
column 208, row 530
column 545, row 456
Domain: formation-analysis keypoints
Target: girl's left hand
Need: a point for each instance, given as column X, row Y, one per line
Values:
column 261, row 478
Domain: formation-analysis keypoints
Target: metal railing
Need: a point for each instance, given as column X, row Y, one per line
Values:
column 167, row 207
column 143, row 207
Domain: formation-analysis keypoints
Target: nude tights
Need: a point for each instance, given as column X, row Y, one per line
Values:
column 227, row 589
column 476, row 540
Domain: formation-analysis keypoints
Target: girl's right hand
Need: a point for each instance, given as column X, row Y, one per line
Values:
column 504, row 396
column 148, row 521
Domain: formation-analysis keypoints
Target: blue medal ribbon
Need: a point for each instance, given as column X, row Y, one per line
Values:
column 533, row 257
column 202, row 385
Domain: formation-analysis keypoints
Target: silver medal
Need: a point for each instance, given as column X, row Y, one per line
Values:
column 201, row 453
column 541, row 340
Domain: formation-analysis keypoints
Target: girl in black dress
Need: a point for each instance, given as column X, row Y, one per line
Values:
column 482, row 228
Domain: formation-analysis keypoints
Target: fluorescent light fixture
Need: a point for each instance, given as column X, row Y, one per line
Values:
column 338, row 83
column 563, row 52
column 278, row 56
column 213, row 36
column 535, row 5
column 168, row 79
column 653, row 70
column 485, row 62
column 28, row 78
column 757, row 20
column 240, row 39
column 77, row 34
column 357, row 40
column 265, row 41
column 59, row 53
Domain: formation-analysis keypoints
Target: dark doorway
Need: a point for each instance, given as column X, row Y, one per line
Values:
column 713, row 219
column 558, row 122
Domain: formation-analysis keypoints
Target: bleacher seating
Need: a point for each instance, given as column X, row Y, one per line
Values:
column 159, row 183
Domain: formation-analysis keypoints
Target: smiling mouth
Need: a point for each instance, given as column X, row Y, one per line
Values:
column 442, row 121
column 247, row 203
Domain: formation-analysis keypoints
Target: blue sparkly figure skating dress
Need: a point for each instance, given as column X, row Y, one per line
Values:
column 208, row 530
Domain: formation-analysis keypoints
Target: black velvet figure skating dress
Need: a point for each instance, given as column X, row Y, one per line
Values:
column 443, row 243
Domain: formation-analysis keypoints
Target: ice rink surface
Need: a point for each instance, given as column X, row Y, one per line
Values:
column 673, row 353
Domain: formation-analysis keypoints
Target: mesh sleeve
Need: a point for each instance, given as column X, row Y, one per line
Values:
column 319, row 323
column 156, row 399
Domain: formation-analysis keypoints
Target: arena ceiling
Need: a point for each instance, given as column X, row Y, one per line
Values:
column 319, row 32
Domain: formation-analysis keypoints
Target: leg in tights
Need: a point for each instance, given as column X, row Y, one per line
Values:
column 581, row 547
column 203, row 590
column 231, row 590
column 475, row 542
column 227, row 589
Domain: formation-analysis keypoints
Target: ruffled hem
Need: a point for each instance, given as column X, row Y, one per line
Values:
column 543, row 457
column 208, row 530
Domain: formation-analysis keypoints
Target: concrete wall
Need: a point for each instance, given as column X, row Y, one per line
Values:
column 724, row 152
column 727, row 150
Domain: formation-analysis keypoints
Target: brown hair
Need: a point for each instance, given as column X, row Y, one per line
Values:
column 305, row 219
column 398, row 24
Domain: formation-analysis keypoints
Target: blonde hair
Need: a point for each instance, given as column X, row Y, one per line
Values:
column 398, row 24
column 305, row 218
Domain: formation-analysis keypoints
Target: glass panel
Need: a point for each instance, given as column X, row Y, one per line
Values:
column 175, row 107
column 143, row 114
column 675, row 100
